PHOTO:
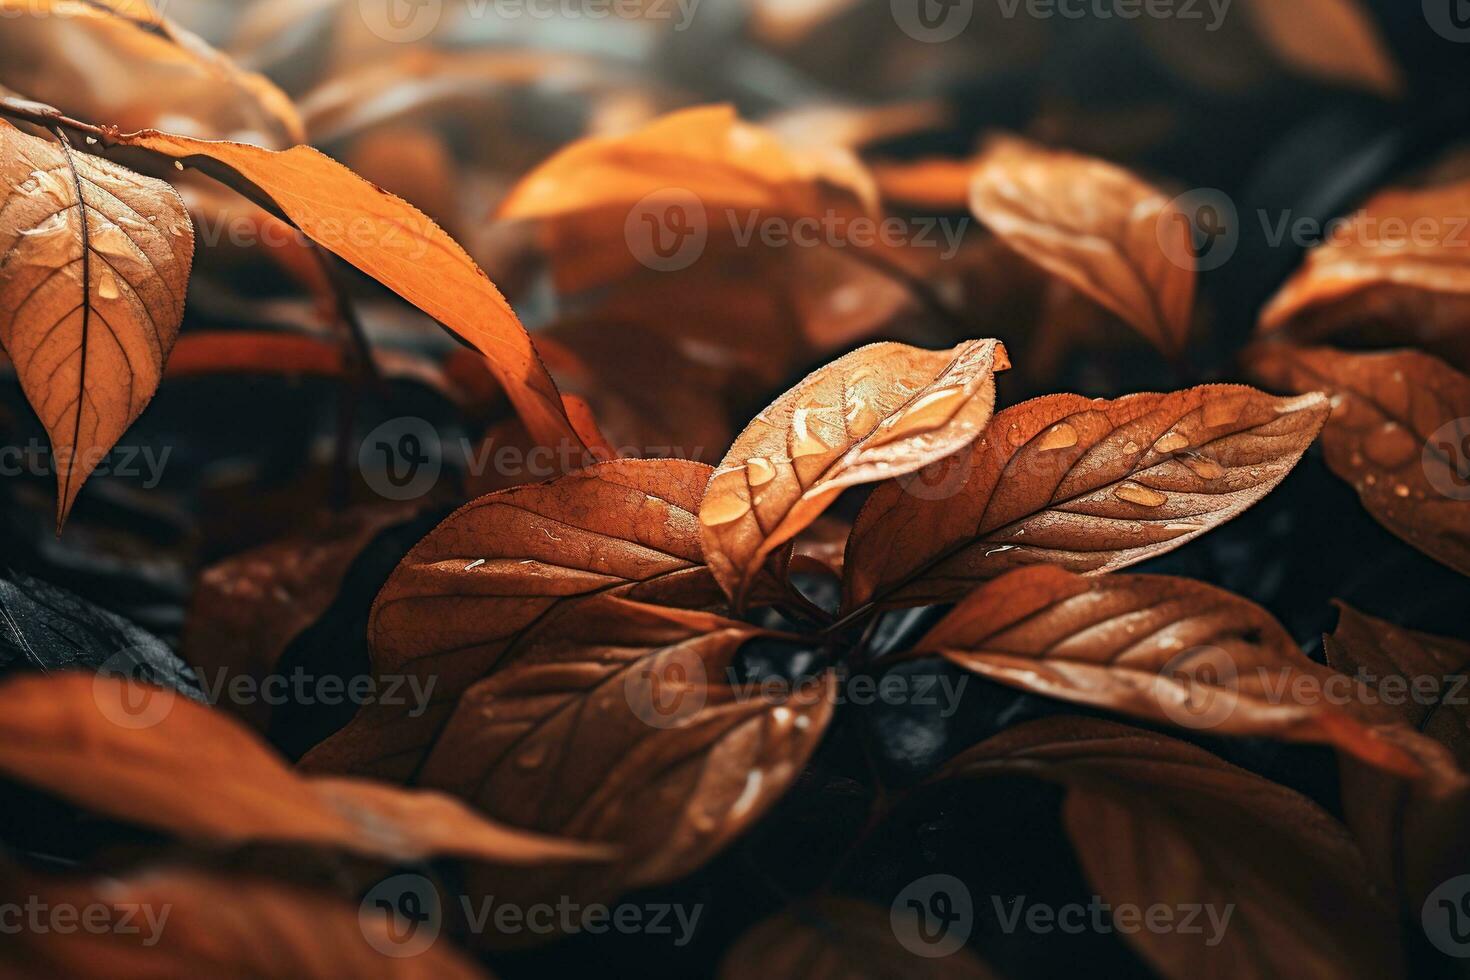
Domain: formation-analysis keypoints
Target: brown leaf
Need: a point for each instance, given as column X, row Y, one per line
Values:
column 1168, row 650
column 185, row 923
column 879, row 412
column 465, row 595
column 1399, row 434
column 1109, row 234
column 934, row 183
column 145, row 755
column 121, row 63
column 1413, row 839
column 88, row 310
column 1335, row 40
column 1404, row 240
column 835, row 938
column 621, row 723
column 1089, row 484
column 1155, row 820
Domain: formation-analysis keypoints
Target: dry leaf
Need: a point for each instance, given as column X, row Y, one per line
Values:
column 835, row 938
column 1089, row 484
column 1399, row 433
column 1413, row 840
column 186, row 923
column 935, row 183
column 88, row 311
column 1109, row 234
column 879, row 412
column 138, row 753
column 1335, row 40
column 1167, row 650
column 1156, row 820
column 464, row 596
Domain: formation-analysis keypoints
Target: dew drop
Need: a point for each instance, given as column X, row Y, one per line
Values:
column 1390, row 446
column 1059, row 436
column 1205, row 469
column 722, row 508
column 1222, row 412
column 1142, row 496
column 1172, row 442
column 106, row 285
column 53, row 186
column 759, row 471
column 1131, row 447
column 1400, row 490
column 532, row 757
column 51, row 244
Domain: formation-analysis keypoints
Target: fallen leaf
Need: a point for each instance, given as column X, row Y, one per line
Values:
column 836, row 938
column 935, row 183
column 1167, row 650
column 1096, row 226
column 141, row 754
column 1413, row 839
column 1089, row 484
column 879, row 412
column 89, row 309
column 1399, row 434
column 1155, row 820
column 463, row 597
column 1335, row 40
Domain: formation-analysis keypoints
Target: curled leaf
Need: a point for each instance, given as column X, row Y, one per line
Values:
column 879, row 412
column 94, row 265
column 1089, row 484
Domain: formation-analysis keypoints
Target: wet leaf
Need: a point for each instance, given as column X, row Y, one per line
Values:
column 89, row 308
column 1156, row 820
column 1335, row 40
column 1096, row 226
column 1399, row 434
column 1089, row 484
column 879, row 412
column 1167, row 650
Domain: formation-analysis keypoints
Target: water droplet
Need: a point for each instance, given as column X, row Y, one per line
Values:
column 178, row 165
column 54, row 186
column 1142, row 496
column 110, row 240
column 1401, row 490
column 1183, row 526
column 802, row 723
column 805, row 442
column 106, row 285
column 1205, row 469
column 1390, row 446
column 1016, row 436
column 532, row 757
column 1220, row 412
column 759, row 471
column 52, row 244
column 1059, row 436
column 722, row 507
column 1131, row 447
column 748, row 794
column 1171, row 442
column 474, row 564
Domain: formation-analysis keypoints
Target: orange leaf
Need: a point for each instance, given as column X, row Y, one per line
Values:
column 1335, row 40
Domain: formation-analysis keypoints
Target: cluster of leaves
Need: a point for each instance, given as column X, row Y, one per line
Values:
column 589, row 643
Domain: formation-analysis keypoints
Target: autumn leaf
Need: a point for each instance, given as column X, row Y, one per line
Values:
column 627, row 724
column 1096, row 226
column 1167, row 650
column 1089, row 484
column 1156, row 820
column 879, row 412
column 1335, row 40
column 89, row 307
column 466, row 594
column 836, row 938
column 181, row 922
column 934, row 183
column 1399, row 434
column 1365, row 253
column 1413, row 839
column 141, row 754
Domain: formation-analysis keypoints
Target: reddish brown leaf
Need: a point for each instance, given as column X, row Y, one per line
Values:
column 836, row 938
column 1089, row 484
column 462, row 599
column 142, row 754
column 182, row 923
column 1168, row 650
column 1156, row 820
column 1335, row 40
column 881, row 411
column 1399, row 433
column 1109, row 234
column 1413, row 839
column 89, row 306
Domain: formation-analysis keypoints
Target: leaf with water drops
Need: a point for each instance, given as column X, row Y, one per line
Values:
column 1171, row 651
column 1117, row 239
column 882, row 411
column 1155, row 820
column 632, row 725
column 466, row 594
column 1399, row 433
column 94, row 265
column 1090, row 484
